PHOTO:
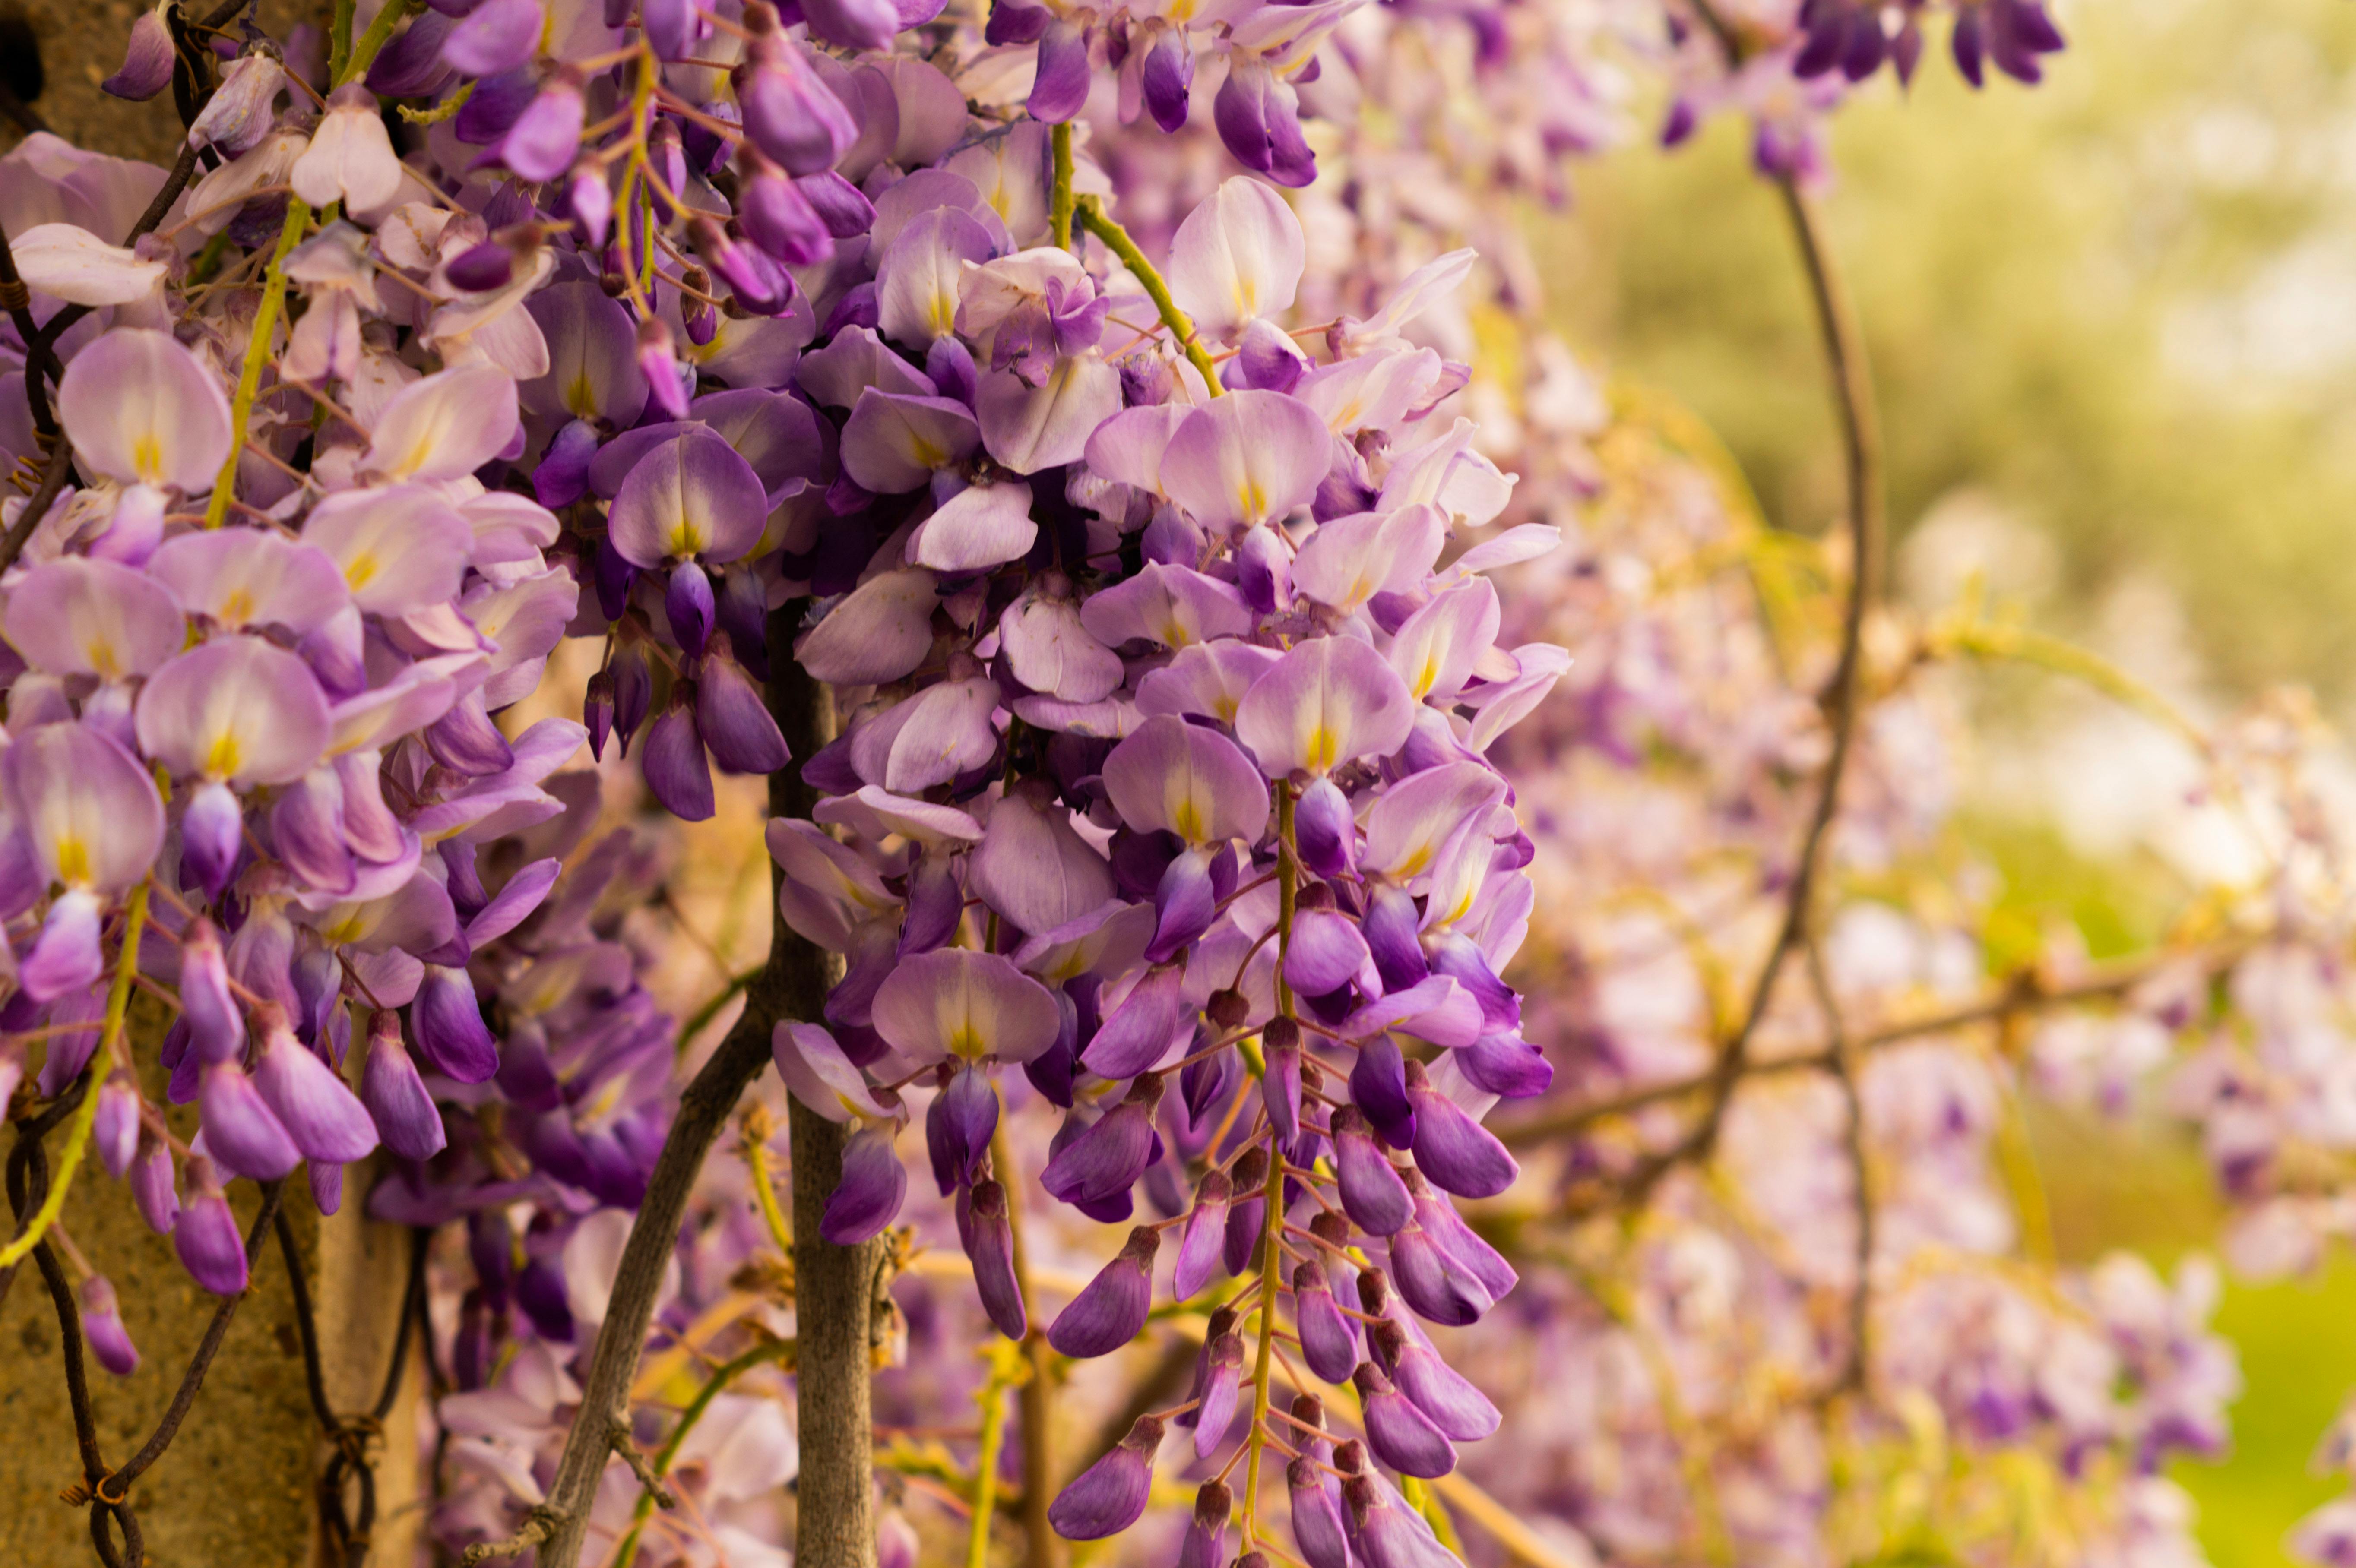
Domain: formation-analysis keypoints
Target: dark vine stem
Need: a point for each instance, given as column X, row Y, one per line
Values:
column 185, row 1396
column 835, row 1520
column 1866, row 523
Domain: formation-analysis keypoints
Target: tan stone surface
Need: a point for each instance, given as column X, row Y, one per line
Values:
column 235, row 1486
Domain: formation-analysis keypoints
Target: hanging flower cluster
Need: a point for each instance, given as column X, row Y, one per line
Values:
column 1159, row 626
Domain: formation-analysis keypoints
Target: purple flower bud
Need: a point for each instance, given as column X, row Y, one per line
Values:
column 1378, row 1088
column 1459, row 1241
column 1247, row 1213
column 1110, row 1495
column 102, row 1325
column 1107, row 1158
column 670, row 27
column 406, row 1115
column 734, row 717
column 1111, row 1310
column 742, row 610
column 597, row 712
column 1329, row 1337
column 1206, row 1543
column 326, row 1186
column 448, row 1021
column 66, row 956
column 541, row 143
column 990, row 1243
column 495, row 105
column 1184, row 903
column 240, row 1129
column 1258, row 116
column 779, row 218
column 146, row 63
column 1456, row 1152
column 1198, row 1243
column 868, row 1197
column 411, row 65
column 1279, row 1084
column 789, row 113
column 1222, row 1387
column 216, row 1026
column 841, row 207
column 1012, row 23
column 498, row 35
column 482, row 267
column 1061, row 84
column 1389, row 927
column 206, row 1237
column 1137, row 1034
column 1389, row 1535
column 539, row 1291
column 1317, row 1527
column 688, row 604
column 633, row 690
column 1204, row 1083
column 1372, row 1189
column 116, row 1124
column 1325, row 830
column 967, row 1107
column 658, row 362
column 674, row 764
column 589, row 203
column 1448, row 1400
column 1168, row 77
column 152, row 1184
column 1440, row 1288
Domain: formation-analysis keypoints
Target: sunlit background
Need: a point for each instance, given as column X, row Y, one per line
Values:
column 2114, row 325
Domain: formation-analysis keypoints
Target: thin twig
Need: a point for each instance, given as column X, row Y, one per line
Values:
column 1861, row 443
column 2023, row 993
column 793, row 983
column 1842, row 1056
column 1089, row 214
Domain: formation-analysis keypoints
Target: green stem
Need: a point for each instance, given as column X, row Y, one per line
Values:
column 757, row 1158
column 364, row 52
column 773, row 1350
column 1288, row 892
column 1271, row 1266
column 711, row 1009
column 1089, row 213
column 257, row 351
column 118, row 1003
column 1005, row 1365
column 1059, row 204
column 1271, row 1255
column 340, row 40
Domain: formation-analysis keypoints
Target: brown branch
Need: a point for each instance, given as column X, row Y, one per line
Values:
column 2023, row 993
column 538, row 1526
column 793, row 983
column 1861, row 444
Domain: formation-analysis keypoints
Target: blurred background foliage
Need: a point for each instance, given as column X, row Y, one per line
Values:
column 2117, row 314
